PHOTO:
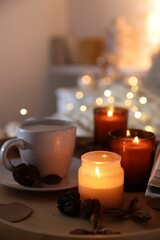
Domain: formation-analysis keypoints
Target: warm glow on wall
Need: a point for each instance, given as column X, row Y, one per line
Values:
column 153, row 29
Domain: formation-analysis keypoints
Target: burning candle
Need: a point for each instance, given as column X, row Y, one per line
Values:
column 101, row 177
column 136, row 147
column 107, row 119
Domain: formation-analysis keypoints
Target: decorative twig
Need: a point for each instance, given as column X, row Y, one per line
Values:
column 132, row 211
column 69, row 203
column 100, row 231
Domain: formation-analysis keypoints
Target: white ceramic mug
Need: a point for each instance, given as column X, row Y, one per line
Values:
column 47, row 143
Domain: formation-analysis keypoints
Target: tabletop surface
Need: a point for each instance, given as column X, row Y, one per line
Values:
column 46, row 222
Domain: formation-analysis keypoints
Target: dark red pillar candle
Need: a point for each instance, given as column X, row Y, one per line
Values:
column 136, row 147
column 107, row 119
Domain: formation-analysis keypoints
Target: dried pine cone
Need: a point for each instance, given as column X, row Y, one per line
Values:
column 69, row 203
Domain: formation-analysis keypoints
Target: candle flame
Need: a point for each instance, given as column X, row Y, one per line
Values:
column 110, row 112
column 97, row 172
column 128, row 134
column 136, row 140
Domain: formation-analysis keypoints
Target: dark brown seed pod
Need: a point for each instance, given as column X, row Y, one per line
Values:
column 23, row 175
column 51, row 179
column 69, row 203
column 70, row 195
column 35, row 172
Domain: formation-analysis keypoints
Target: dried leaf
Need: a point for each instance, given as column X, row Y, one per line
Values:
column 133, row 204
column 140, row 215
column 105, row 231
column 14, row 212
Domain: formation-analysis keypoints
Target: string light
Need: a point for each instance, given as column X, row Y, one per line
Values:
column 143, row 100
column 132, row 81
column 149, row 128
column 79, row 95
column 23, row 111
column 111, row 99
column 107, row 93
column 129, row 95
column 69, row 106
column 127, row 103
column 138, row 114
column 86, row 79
column 134, row 108
column 131, row 99
column 106, row 81
column 99, row 101
column 83, row 108
column 134, row 88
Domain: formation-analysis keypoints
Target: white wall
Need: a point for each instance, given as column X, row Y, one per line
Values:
column 91, row 17
column 25, row 30
column 26, row 27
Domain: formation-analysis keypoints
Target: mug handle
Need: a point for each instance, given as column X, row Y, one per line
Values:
column 4, row 149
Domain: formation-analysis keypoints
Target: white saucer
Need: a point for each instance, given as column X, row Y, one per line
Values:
column 70, row 181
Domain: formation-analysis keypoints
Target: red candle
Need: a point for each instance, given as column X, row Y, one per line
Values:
column 136, row 147
column 107, row 119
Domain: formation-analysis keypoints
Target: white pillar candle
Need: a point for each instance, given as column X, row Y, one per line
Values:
column 101, row 177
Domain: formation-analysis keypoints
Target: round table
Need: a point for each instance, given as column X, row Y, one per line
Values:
column 46, row 222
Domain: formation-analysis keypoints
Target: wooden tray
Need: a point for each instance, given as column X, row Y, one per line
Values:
column 47, row 223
